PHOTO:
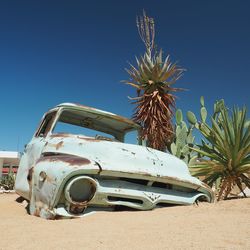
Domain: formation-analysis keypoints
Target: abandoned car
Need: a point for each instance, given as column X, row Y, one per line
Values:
column 77, row 162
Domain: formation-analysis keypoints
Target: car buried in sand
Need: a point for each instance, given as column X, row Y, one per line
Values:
column 77, row 162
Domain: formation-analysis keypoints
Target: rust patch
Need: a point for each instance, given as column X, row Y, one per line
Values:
column 76, row 209
column 88, row 139
column 70, row 159
column 49, row 179
column 30, row 174
column 78, row 161
column 64, row 135
column 59, row 145
column 56, row 146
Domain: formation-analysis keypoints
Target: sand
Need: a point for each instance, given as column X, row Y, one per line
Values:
column 223, row 225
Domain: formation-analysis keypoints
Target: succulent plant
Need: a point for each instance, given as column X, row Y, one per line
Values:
column 8, row 181
column 184, row 140
column 225, row 149
column 153, row 78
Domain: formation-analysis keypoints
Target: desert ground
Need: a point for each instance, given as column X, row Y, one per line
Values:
column 222, row 225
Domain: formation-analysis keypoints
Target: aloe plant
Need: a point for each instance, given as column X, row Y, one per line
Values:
column 225, row 149
column 153, row 78
column 183, row 140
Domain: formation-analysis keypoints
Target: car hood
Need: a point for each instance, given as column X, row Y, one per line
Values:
column 121, row 157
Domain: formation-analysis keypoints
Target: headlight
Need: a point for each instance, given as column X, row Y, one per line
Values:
column 80, row 190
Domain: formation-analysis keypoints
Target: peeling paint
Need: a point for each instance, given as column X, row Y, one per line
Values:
column 59, row 145
column 70, row 159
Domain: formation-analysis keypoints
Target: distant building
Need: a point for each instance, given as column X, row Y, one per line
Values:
column 9, row 160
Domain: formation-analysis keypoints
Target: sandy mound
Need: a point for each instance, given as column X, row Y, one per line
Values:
column 223, row 225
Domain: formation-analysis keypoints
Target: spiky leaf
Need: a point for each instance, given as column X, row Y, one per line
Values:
column 185, row 149
column 155, row 103
column 226, row 150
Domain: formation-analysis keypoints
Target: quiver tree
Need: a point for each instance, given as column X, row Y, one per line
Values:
column 153, row 77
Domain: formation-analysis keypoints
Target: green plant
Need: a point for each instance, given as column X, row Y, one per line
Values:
column 225, row 152
column 153, row 79
column 183, row 140
column 8, row 181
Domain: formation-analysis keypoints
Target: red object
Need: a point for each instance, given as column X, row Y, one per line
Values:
column 6, row 170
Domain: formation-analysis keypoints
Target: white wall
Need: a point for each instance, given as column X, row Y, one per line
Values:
column 8, row 157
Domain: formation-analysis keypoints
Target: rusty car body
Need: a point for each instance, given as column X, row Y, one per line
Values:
column 69, row 174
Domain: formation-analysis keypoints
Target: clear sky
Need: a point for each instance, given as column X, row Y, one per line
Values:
column 76, row 51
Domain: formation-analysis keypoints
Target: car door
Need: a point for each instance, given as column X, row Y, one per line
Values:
column 32, row 153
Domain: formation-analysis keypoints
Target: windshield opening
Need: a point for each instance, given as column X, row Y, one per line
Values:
column 94, row 125
column 67, row 128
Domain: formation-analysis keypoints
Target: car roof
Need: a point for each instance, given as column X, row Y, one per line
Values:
column 117, row 122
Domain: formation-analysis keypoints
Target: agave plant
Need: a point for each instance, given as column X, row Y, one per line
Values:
column 225, row 150
column 153, row 78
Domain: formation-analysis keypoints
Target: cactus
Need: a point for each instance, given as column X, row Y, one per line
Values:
column 191, row 118
column 178, row 117
column 202, row 125
column 183, row 141
column 183, row 144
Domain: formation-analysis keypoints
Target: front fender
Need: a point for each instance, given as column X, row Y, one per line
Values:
column 50, row 174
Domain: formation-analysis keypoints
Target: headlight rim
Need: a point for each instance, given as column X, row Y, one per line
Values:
column 71, row 182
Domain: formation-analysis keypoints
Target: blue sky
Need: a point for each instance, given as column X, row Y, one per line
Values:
column 76, row 51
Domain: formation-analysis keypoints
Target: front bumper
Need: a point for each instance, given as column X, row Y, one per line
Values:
column 112, row 193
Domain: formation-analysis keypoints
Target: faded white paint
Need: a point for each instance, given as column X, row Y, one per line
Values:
column 123, row 174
